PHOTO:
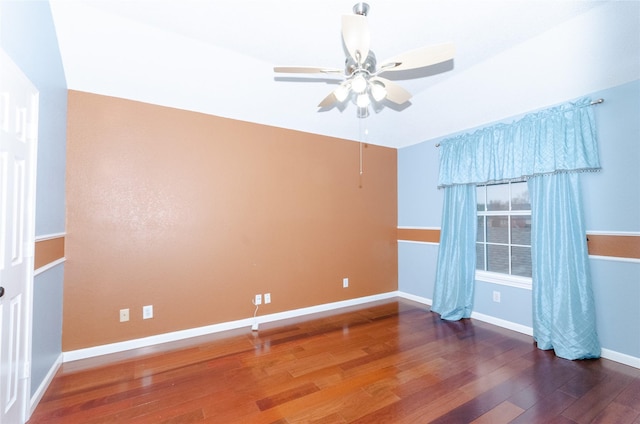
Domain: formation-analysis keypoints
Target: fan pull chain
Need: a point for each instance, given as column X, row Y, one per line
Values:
column 360, row 181
column 363, row 140
column 361, row 170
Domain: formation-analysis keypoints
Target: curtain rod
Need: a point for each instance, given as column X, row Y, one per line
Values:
column 593, row 103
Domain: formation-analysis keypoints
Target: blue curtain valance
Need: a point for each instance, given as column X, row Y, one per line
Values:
column 559, row 139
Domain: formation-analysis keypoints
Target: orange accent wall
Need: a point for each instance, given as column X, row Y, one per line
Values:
column 195, row 214
column 47, row 251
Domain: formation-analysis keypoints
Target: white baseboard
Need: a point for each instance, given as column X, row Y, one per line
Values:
column 248, row 322
column 623, row 358
column 612, row 355
column 90, row 352
column 39, row 393
column 509, row 325
column 475, row 315
column 415, row 298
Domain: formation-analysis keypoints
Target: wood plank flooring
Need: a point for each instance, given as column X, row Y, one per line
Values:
column 385, row 362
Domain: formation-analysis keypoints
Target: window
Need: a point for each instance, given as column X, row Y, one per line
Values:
column 503, row 241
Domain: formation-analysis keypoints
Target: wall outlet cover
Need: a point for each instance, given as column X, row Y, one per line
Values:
column 496, row 296
column 147, row 312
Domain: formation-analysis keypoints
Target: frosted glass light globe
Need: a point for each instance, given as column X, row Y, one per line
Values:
column 363, row 100
column 359, row 84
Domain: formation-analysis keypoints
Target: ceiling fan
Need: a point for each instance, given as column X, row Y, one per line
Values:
column 363, row 84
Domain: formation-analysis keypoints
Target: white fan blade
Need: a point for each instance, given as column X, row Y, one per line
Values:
column 356, row 36
column 305, row 70
column 328, row 101
column 395, row 93
column 419, row 58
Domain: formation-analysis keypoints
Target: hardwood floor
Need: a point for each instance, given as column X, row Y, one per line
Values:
column 386, row 362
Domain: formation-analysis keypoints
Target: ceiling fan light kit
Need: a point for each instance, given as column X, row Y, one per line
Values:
column 363, row 85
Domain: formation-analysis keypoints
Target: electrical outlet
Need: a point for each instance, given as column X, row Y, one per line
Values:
column 496, row 296
column 147, row 312
column 267, row 298
column 124, row 315
column 345, row 283
column 258, row 300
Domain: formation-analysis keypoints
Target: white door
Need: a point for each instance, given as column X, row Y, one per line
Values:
column 18, row 136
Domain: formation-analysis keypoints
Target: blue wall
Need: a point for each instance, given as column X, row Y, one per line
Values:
column 46, row 345
column 611, row 203
column 28, row 37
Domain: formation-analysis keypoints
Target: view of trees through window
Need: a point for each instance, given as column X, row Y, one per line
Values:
column 503, row 241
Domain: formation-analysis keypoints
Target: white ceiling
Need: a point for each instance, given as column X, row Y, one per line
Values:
column 217, row 57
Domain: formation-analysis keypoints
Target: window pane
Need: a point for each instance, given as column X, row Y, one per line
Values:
column 520, row 197
column 498, row 259
column 503, row 237
column 498, row 197
column 480, row 230
column 480, row 192
column 521, row 261
column 480, row 256
column 521, row 230
column 498, row 229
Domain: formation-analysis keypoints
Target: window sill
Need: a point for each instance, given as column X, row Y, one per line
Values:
column 504, row 279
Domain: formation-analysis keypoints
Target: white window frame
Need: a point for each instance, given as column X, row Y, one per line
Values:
column 498, row 277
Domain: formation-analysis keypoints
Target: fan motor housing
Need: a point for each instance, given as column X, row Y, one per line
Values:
column 369, row 64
